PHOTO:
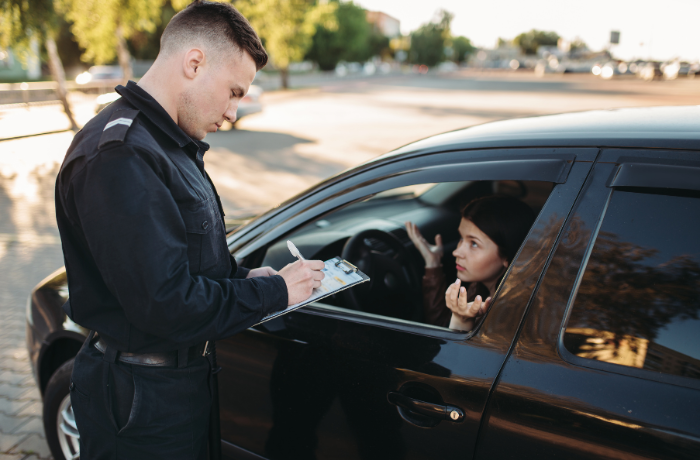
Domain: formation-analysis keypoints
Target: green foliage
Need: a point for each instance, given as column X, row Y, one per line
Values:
column 428, row 42
column 146, row 45
column 379, row 45
column 530, row 41
column 578, row 45
column 503, row 42
column 353, row 39
column 287, row 26
column 24, row 20
column 68, row 49
column 461, row 48
column 96, row 23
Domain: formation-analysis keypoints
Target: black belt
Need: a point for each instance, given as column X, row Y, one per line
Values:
column 178, row 358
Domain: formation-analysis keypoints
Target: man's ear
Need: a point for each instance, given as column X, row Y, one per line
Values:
column 505, row 264
column 192, row 64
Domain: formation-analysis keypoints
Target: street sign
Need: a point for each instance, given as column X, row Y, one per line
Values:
column 615, row 37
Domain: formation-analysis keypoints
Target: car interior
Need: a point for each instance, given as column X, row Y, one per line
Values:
column 371, row 234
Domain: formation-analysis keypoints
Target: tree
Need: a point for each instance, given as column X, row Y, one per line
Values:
column 461, row 48
column 103, row 26
column 428, row 42
column 578, row 46
column 21, row 21
column 530, row 41
column 349, row 41
column 379, row 45
column 146, row 45
column 501, row 42
column 287, row 27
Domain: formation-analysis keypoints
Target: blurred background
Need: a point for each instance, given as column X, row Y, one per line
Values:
column 347, row 81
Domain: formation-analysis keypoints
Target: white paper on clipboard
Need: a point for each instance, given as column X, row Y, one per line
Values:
column 339, row 275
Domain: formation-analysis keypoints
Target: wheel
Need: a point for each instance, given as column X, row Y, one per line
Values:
column 394, row 289
column 59, row 423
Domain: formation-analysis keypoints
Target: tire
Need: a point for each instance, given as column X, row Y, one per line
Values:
column 59, row 423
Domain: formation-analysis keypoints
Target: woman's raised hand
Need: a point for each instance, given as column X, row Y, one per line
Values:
column 432, row 253
column 463, row 312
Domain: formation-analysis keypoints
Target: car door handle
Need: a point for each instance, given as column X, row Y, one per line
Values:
column 437, row 411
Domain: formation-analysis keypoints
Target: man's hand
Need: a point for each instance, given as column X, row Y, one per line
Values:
column 262, row 271
column 302, row 277
column 432, row 253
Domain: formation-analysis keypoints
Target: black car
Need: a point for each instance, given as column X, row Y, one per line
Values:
column 591, row 348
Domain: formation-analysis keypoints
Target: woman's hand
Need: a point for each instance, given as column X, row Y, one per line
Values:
column 432, row 253
column 463, row 312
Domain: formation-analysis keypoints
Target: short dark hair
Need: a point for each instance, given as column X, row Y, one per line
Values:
column 208, row 22
column 504, row 219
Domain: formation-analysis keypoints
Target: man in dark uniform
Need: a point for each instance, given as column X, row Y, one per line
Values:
column 144, row 244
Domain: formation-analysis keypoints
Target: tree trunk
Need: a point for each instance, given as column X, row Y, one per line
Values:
column 59, row 76
column 284, row 75
column 124, row 56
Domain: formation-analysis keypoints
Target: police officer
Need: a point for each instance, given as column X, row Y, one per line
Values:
column 149, row 271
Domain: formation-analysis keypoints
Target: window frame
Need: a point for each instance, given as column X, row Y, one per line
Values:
column 548, row 165
column 631, row 172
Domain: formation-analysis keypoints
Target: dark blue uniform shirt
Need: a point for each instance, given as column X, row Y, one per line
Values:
column 143, row 235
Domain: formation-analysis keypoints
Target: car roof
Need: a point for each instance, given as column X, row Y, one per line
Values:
column 652, row 127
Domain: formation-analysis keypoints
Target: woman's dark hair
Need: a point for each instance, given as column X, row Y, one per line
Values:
column 504, row 219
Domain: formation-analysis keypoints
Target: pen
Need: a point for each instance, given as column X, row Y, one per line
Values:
column 293, row 249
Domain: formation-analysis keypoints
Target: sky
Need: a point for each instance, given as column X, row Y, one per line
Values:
column 649, row 29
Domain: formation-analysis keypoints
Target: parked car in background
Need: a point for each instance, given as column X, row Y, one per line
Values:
column 106, row 73
column 650, row 71
column 590, row 349
column 250, row 103
column 679, row 69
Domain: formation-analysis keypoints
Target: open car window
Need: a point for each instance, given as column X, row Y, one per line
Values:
column 371, row 234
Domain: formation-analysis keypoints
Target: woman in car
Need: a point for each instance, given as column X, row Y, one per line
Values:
column 491, row 231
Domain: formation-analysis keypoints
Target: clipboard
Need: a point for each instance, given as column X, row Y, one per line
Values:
column 339, row 275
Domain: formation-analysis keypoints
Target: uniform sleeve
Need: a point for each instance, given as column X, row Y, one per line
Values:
column 238, row 272
column 135, row 233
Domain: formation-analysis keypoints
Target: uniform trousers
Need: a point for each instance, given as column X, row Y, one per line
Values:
column 128, row 411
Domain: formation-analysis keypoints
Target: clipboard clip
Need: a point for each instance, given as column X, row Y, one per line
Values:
column 346, row 266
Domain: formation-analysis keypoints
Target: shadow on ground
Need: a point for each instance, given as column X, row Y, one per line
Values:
column 271, row 152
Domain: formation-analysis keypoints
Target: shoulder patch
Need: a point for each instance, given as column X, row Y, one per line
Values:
column 119, row 123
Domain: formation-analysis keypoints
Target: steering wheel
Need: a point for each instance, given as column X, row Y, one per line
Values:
column 394, row 288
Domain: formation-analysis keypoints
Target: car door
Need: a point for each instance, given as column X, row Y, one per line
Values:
column 329, row 382
column 608, row 361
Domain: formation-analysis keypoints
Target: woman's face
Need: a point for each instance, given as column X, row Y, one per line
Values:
column 477, row 256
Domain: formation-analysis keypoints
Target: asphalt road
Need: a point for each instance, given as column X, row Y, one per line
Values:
column 304, row 135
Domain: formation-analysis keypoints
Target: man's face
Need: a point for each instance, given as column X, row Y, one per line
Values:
column 214, row 95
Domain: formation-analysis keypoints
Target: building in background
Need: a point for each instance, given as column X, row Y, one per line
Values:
column 387, row 25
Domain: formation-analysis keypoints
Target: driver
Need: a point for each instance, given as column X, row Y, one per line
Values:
column 491, row 231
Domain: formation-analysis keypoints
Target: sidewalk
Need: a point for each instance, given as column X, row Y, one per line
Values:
column 21, row 427
column 19, row 120
column 30, row 249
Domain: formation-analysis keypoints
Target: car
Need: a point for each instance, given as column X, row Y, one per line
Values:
column 590, row 348
column 650, row 71
column 97, row 73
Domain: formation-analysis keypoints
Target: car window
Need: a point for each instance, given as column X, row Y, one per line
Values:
column 385, row 251
column 638, row 301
